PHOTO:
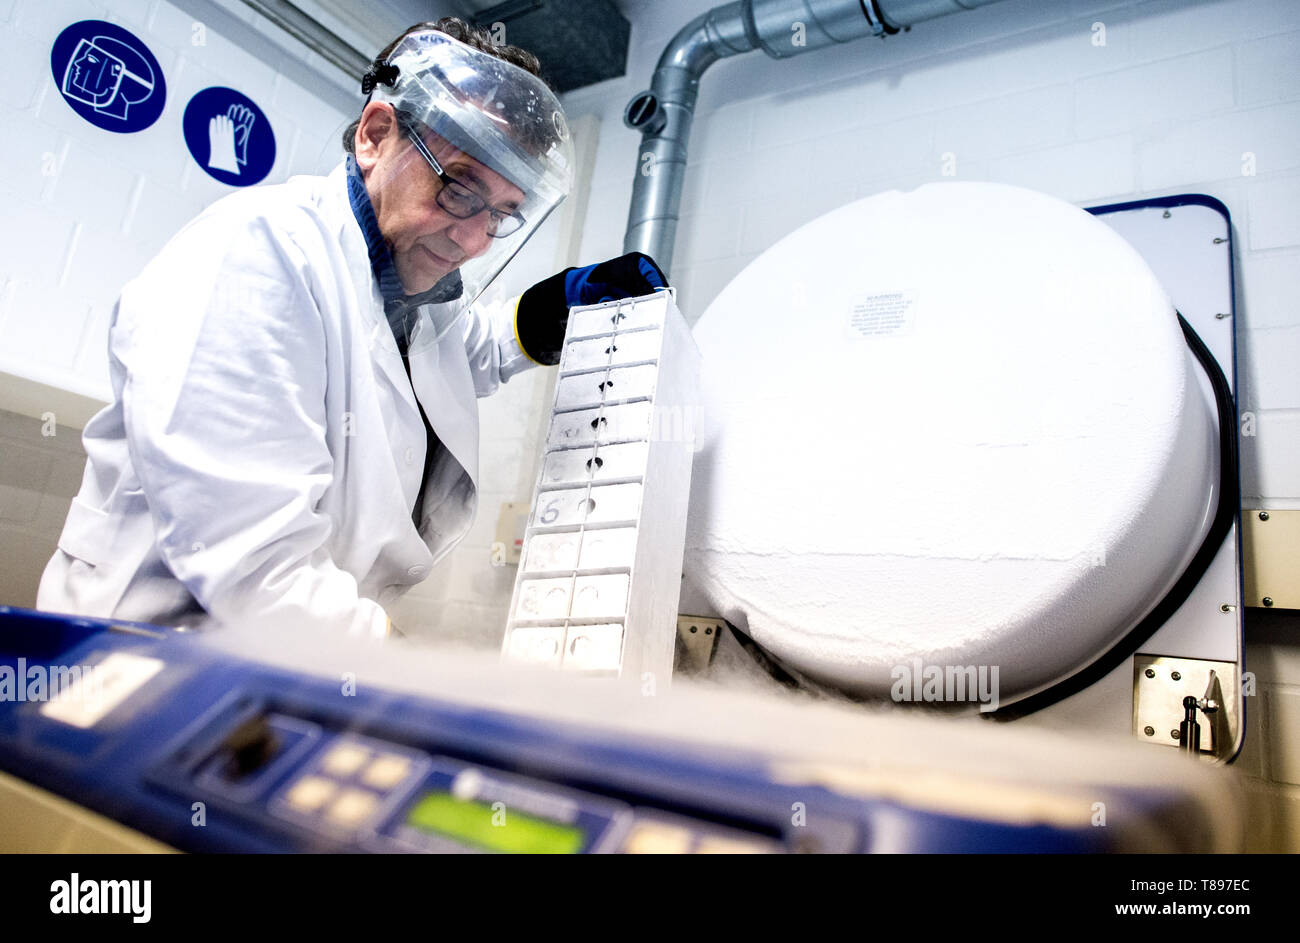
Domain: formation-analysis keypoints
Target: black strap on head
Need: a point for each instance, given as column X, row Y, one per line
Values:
column 384, row 73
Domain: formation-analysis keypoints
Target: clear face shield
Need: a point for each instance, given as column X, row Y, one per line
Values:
column 492, row 142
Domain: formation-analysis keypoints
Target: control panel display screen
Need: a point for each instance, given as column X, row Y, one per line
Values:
column 507, row 831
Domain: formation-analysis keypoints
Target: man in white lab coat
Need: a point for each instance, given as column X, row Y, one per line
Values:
column 294, row 432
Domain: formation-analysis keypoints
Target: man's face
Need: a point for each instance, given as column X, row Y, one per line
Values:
column 426, row 241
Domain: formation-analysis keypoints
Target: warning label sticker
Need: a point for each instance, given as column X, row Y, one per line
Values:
column 885, row 314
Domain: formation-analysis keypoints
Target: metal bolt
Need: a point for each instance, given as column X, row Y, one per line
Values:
column 1221, row 315
column 1150, row 672
column 1219, row 239
column 1174, row 733
column 1226, row 608
column 1263, row 515
column 708, row 630
column 1168, row 214
column 694, row 629
column 1149, row 731
column 1268, row 600
column 1177, row 676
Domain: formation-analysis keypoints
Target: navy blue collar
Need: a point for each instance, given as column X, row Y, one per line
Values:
column 381, row 259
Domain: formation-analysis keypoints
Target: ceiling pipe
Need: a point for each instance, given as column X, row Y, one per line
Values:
column 313, row 35
column 781, row 28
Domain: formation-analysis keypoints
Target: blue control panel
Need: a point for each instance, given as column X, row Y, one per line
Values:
column 205, row 751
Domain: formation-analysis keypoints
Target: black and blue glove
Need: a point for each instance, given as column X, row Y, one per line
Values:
column 543, row 312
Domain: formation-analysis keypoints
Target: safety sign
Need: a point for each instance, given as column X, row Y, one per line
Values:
column 107, row 75
column 229, row 136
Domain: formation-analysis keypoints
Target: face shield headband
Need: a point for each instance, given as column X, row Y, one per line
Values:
column 496, row 122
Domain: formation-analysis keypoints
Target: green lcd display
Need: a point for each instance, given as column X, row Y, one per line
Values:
column 476, row 823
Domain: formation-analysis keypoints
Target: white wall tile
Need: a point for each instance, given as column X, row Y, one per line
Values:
column 900, row 147
column 1040, row 117
column 1274, row 220
column 1180, row 88
column 767, row 224
column 1270, row 288
column 46, row 19
column 27, row 66
column 809, row 112
column 1271, row 377
column 102, row 262
column 1270, row 459
column 722, row 133
column 34, row 244
column 160, row 212
column 157, row 151
column 602, row 235
column 710, row 234
column 1081, row 173
column 707, row 279
column 1260, row 141
column 90, row 187
column 1172, row 27
column 1268, row 69
column 41, row 323
column 32, row 160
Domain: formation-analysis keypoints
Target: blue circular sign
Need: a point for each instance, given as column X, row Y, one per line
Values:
column 229, row 136
column 108, row 76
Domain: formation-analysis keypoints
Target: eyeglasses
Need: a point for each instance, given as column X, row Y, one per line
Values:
column 462, row 202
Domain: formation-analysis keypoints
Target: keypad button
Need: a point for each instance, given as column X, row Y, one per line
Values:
column 386, row 771
column 310, row 793
column 653, row 838
column 352, row 808
column 345, row 759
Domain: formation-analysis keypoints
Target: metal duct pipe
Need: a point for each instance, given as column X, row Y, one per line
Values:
column 664, row 113
column 313, row 35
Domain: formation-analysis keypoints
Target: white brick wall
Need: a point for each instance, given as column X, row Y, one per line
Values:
column 86, row 208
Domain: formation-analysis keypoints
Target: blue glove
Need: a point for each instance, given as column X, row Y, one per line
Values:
column 543, row 313
column 628, row 276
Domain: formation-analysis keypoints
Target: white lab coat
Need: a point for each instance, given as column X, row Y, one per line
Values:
column 263, row 452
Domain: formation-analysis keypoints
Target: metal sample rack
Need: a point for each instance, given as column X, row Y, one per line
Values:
column 600, row 573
